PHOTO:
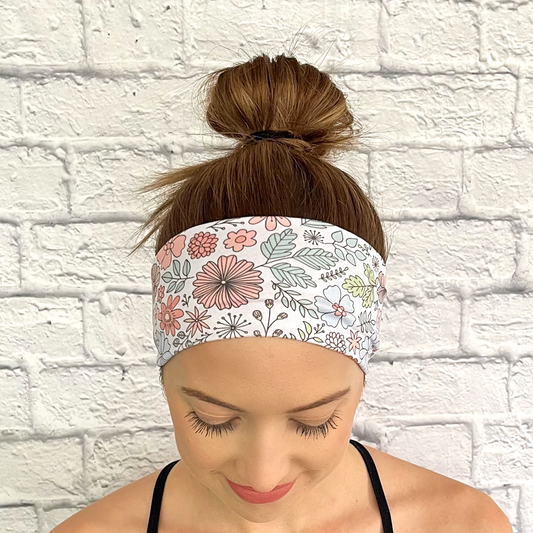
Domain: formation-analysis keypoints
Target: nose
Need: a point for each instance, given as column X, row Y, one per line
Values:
column 264, row 476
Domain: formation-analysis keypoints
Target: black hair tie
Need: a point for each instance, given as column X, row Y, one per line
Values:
column 271, row 134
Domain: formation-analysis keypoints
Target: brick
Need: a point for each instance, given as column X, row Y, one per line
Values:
column 9, row 258
column 14, row 401
column 440, row 109
column 508, row 29
column 436, row 32
column 82, row 254
column 18, row 519
column 520, row 382
column 105, row 180
column 50, row 325
column 431, row 324
column 119, row 327
column 90, row 397
column 463, row 251
column 445, row 449
column 110, row 107
column 400, row 180
column 524, row 115
column 135, row 31
column 9, row 107
column 435, row 386
column 507, row 453
column 328, row 26
column 32, row 182
column 115, row 461
column 33, row 35
column 501, row 321
column 500, row 179
column 36, row 469
column 526, row 507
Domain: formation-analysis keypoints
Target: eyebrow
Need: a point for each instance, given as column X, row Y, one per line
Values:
column 323, row 401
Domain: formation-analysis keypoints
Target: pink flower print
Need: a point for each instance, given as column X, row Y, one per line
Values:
column 160, row 293
column 172, row 248
column 202, row 244
column 378, row 320
column 271, row 222
column 335, row 341
column 196, row 321
column 156, row 276
column 228, row 283
column 237, row 241
column 169, row 316
column 382, row 291
column 353, row 341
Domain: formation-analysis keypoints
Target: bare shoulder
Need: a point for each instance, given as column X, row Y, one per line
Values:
column 422, row 500
column 121, row 511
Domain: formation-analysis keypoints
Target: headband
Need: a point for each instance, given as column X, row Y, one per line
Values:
column 275, row 276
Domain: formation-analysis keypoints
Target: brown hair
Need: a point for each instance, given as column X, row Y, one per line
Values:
column 273, row 177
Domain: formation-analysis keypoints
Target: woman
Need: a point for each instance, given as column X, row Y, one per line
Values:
column 269, row 245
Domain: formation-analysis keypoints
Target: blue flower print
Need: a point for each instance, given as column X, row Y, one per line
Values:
column 163, row 347
column 335, row 308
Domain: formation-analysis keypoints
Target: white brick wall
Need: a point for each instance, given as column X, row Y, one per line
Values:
column 96, row 96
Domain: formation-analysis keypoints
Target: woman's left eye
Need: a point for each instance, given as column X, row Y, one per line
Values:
column 216, row 429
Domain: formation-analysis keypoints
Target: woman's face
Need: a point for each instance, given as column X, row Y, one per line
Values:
column 262, row 445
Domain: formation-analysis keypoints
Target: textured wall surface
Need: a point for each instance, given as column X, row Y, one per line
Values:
column 95, row 95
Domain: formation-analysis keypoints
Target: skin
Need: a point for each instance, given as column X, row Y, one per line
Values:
column 333, row 493
column 266, row 377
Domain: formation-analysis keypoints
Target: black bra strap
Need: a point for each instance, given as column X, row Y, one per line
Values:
column 376, row 484
column 155, row 510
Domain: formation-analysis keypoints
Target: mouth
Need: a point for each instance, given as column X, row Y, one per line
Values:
column 250, row 495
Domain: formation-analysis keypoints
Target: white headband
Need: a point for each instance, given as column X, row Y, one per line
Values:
column 286, row 277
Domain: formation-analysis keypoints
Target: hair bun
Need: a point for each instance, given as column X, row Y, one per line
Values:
column 280, row 94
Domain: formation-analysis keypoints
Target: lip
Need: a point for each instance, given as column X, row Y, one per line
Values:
column 252, row 496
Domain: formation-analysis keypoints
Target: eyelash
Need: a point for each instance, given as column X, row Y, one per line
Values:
column 199, row 426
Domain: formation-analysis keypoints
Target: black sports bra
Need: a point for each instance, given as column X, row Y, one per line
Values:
column 153, row 521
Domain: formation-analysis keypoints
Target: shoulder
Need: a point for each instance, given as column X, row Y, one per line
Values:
column 423, row 500
column 481, row 514
column 125, row 510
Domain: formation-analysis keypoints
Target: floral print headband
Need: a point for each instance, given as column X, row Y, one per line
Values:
column 287, row 277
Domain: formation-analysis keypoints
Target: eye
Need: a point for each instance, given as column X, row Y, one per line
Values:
column 216, row 429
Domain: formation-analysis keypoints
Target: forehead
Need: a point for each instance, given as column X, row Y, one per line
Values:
column 262, row 361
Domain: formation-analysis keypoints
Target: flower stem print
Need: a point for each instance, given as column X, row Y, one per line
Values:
column 183, row 340
column 303, row 304
column 269, row 304
column 309, row 330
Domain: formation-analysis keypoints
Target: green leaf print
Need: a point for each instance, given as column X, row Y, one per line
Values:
column 370, row 274
column 315, row 258
column 167, row 277
column 339, row 253
column 354, row 285
column 279, row 245
column 176, row 268
column 292, row 275
column 186, row 267
column 368, row 297
column 337, row 236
